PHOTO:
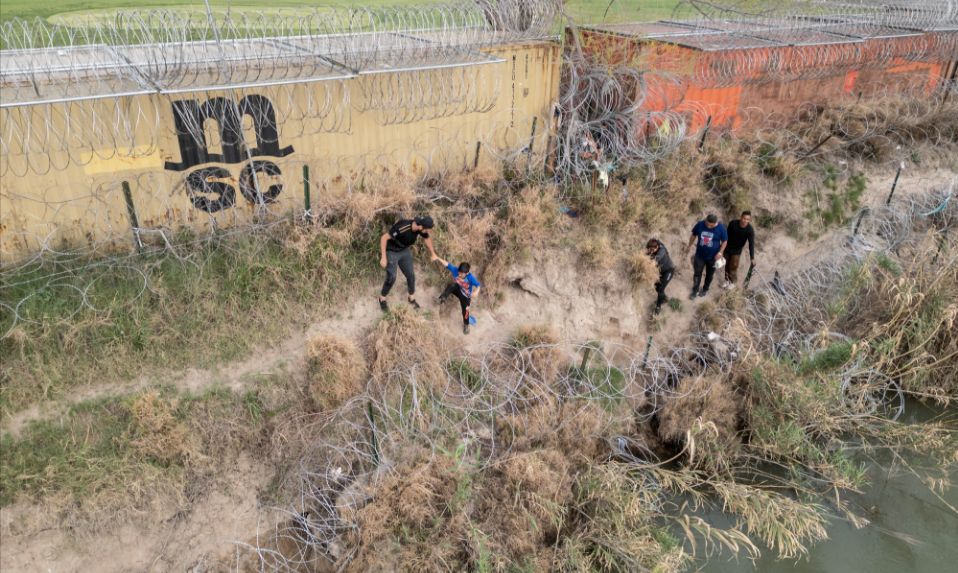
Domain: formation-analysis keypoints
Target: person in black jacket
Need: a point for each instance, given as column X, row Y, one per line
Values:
column 660, row 255
column 394, row 247
column 739, row 233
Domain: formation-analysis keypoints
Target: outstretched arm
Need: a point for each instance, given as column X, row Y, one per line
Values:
column 442, row 262
column 432, row 252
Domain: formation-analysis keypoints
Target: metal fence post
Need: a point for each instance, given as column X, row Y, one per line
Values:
column 645, row 360
column 859, row 221
column 372, row 426
column 708, row 124
column 309, row 216
column 895, row 183
column 941, row 245
column 131, row 212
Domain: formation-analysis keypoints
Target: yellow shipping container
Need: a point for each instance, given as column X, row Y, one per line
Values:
column 345, row 131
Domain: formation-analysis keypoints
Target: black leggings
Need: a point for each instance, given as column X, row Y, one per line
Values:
column 402, row 259
column 664, row 279
column 454, row 289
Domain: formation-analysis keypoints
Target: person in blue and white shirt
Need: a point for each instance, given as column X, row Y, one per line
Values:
column 710, row 239
column 462, row 288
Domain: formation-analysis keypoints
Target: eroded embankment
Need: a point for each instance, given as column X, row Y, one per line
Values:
column 531, row 416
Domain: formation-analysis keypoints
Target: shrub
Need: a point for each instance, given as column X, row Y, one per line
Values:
column 335, row 371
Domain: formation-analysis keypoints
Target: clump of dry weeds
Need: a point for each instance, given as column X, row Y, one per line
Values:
column 405, row 338
column 596, row 252
column 704, row 413
column 732, row 177
column 644, row 272
column 156, row 433
column 467, row 239
column 676, row 187
column 467, row 186
column 335, row 370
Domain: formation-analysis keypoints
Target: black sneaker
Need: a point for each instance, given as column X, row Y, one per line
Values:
column 465, row 328
column 383, row 305
column 695, row 293
column 704, row 293
column 441, row 299
column 415, row 304
column 658, row 309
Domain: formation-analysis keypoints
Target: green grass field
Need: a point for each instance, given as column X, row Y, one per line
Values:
column 582, row 10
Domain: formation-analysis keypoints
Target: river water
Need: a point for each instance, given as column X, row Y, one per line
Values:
column 912, row 529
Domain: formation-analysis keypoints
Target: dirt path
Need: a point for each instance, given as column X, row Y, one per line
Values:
column 553, row 288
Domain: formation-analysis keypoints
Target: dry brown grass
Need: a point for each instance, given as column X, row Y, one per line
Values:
column 335, row 370
column 156, row 434
column 575, row 430
column 494, row 240
column 467, row 239
column 905, row 311
column 870, row 128
column 705, row 414
column 596, row 252
column 406, row 338
column 454, row 513
column 467, row 186
column 644, row 272
column 676, row 185
column 732, row 176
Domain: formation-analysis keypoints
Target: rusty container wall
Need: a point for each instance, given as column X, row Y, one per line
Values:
column 778, row 102
column 669, row 86
column 71, row 205
column 774, row 82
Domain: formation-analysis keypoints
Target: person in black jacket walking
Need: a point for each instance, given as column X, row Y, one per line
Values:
column 739, row 233
column 660, row 255
column 395, row 251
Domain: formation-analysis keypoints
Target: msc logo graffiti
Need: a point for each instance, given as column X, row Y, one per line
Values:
column 189, row 117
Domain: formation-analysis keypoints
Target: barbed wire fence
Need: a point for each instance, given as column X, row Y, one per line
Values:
column 135, row 63
column 493, row 404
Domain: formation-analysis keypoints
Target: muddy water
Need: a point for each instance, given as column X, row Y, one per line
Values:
column 911, row 530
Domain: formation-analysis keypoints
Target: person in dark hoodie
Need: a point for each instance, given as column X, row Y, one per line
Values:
column 660, row 255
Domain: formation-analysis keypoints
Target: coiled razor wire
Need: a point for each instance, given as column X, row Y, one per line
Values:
column 493, row 404
column 92, row 86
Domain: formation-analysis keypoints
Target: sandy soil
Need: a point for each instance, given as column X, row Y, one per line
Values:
column 554, row 288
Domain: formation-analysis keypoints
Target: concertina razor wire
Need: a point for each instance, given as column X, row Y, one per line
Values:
column 495, row 402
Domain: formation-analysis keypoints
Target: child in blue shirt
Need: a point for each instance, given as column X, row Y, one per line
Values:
column 462, row 288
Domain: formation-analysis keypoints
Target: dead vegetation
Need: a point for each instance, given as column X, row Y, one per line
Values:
column 705, row 415
column 405, row 338
column 555, row 503
column 335, row 371
column 909, row 309
column 644, row 271
column 156, row 434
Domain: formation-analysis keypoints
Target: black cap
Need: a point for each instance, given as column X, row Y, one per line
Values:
column 425, row 222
